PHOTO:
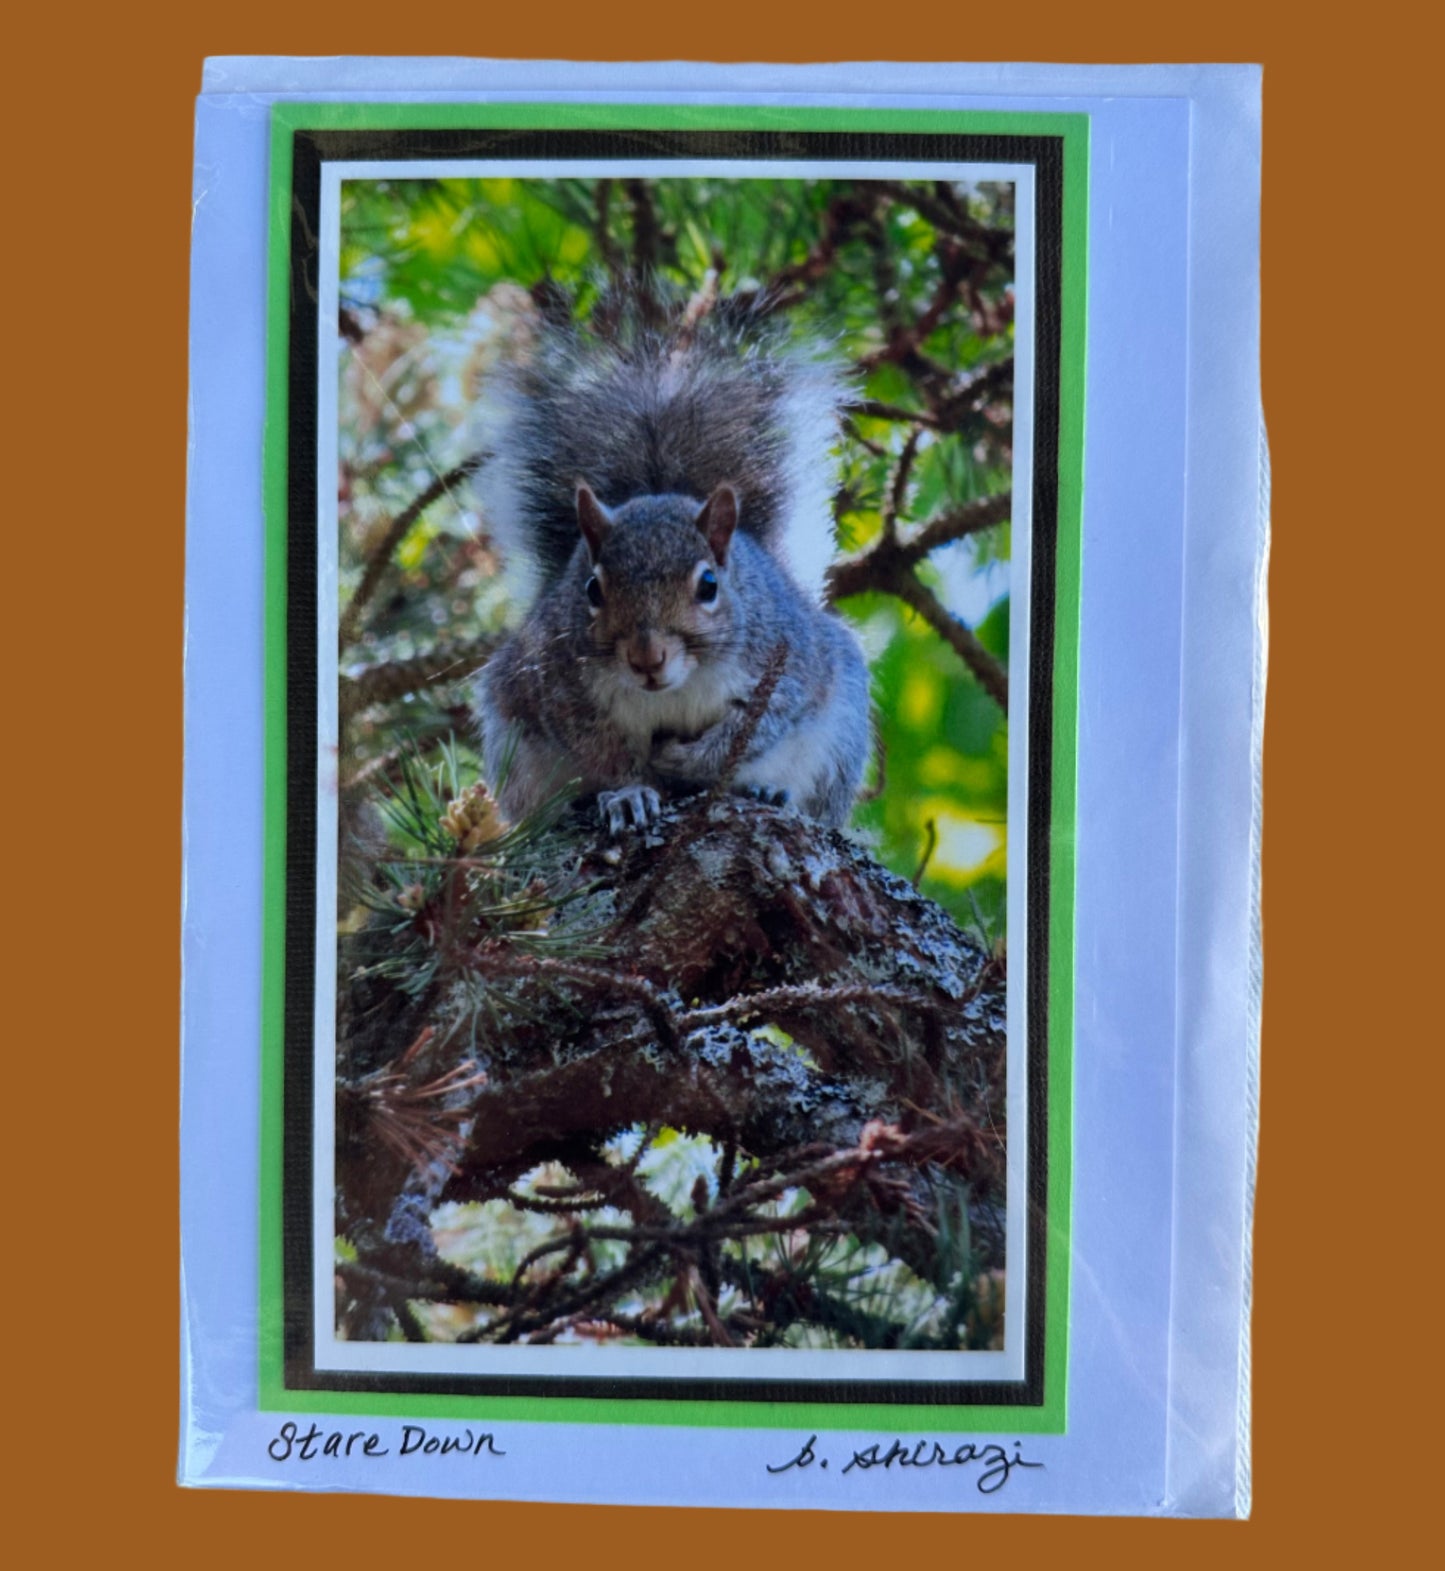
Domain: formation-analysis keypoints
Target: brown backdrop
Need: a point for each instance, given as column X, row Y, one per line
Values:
column 1345, row 1308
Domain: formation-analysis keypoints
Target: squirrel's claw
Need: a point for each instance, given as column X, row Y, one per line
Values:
column 633, row 807
column 767, row 795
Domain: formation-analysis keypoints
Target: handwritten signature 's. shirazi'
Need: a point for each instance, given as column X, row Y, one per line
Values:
column 995, row 1465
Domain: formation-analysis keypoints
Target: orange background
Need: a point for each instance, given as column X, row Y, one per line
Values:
column 98, row 194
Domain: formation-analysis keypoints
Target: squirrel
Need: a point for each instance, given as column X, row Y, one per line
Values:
column 659, row 480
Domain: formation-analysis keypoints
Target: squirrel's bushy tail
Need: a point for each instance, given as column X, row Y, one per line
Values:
column 640, row 410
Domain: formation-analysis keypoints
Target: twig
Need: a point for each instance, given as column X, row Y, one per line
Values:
column 699, row 306
column 645, row 239
column 952, row 406
column 621, row 1187
column 452, row 722
column 905, row 341
column 703, row 1299
column 551, row 1207
column 388, row 679
column 752, row 716
column 684, row 1236
column 757, row 707
column 887, row 565
column 881, row 564
column 872, row 409
column 843, row 503
column 992, row 677
column 602, row 232
column 597, row 1290
column 789, row 285
column 659, row 1331
column 995, row 244
column 970, row 519
column 806, row 995
column 653, row 1002
column 567, row 1243
column 898, row 492
column 930, row 845
column 438, row 1280
column 965, row 399
column 401, row 1109
column 396, row 532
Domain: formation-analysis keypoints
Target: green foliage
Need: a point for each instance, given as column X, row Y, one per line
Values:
column 945, row 806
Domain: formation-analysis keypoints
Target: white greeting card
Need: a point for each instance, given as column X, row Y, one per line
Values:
column 724, row 670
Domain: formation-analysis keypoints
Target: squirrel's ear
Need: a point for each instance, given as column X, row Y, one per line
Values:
column 718, row 519
column 592, row 519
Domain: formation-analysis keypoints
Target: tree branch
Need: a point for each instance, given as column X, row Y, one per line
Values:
column 378, row 684
column 887, row 567
column 994, row 244
column 646, row 239
column 790, row 284
column 951, row 405
column 957, row 523
column 719, row 1081
column 873, row 409
column 612, row 258
column 991, row 675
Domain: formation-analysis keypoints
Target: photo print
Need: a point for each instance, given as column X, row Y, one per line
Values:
column 682, row 598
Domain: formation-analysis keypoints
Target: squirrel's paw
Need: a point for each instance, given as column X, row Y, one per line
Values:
column 683, row 760
column 633, row 807
column 767, row 795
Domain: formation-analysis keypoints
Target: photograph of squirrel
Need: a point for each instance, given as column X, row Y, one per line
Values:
column 670, row 489
column 662, row 1022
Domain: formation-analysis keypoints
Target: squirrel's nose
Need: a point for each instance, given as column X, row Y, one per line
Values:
column 647, row 659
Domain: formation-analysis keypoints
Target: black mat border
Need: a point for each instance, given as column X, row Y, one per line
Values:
column 310, row 150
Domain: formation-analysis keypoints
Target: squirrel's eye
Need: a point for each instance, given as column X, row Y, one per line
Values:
column 594, row 593
column 707, row 586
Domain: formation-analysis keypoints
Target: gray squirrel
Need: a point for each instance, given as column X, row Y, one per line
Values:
column 667, row 484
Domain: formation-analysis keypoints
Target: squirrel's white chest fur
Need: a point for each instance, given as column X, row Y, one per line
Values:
column 688, row 709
